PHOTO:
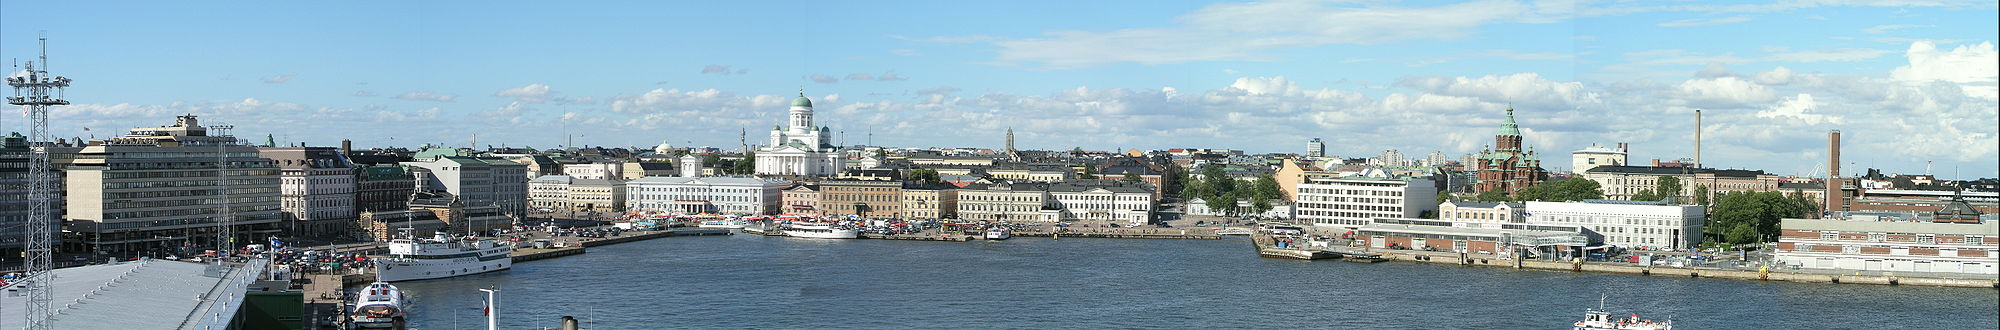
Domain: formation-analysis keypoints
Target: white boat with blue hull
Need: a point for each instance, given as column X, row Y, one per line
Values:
column 441, row 257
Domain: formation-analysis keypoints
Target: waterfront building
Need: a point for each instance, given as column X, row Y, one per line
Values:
column 1351, row 201
column 1127, row 203
column 1291, row 173
column 719, row 195
column 460, row 218
column 156, row 189
column 317, row 189
column 1858, row 241
column 1279, row 209
column 861, row 198
column 1925, row 202
column 1315, row 148
column 1594, row 156
column 1508, row 167
column 1151, row 173
column 383, row 187
column 549, row 192
column 801, row 199
column 921, row 201
column 799, row 148
column 1621, row 182
column 385, row 225
column 1015, row 202
column 475, row 180
column 1482, row 214
column 599, row 195
column 1630, row 224
column 14, row 200
column 1426, row 234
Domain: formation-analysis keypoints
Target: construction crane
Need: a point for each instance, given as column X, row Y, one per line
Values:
column 38, row 90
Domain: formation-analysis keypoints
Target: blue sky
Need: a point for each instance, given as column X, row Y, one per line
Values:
column 1907, row 81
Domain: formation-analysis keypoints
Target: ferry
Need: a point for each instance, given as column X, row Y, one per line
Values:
column 1599, row 319
column 380, row 305
column 441, row 257
column 820, row 230
column 998, row 234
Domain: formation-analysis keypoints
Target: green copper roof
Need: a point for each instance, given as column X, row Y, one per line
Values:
column 802, row 101
column 1508, row 128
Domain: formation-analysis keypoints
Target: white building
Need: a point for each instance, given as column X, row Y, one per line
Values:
column 1016, row 202
column 691, row 166
column 800, row 148
column 1351, row 202
column 1130, row 204
column 1316, row 148
column 721, row 195
column 1492, row 215
column 477, row 181
column 316, row 190
column 155, row 189
column 595, row 171
column 1854, row 244
column 1280, row 209
column 549, row 192
column 1630, row 224
column 1594, row 156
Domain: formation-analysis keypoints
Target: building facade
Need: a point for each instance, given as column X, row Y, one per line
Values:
column 718, row 195
column 1482, row 214
column 1019, row 202
column 1129, row 204
column 157, row 190
column 318, row 189
column 1594, row 156
column 14, row 201
column 1621, row 182
column 1894, row 246
column 549, row 192
column 799, row 148
column 383, row 187
column 930, row 201
column 801, row 199
column 1350, row 202
column 1630, row 224
column 475, row 180
column 595, row 171
column 1508, row 167
column 861, row 198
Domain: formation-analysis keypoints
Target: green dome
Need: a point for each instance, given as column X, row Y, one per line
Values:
column 802, row 101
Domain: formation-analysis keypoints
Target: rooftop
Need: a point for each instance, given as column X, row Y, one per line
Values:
column 171, row 295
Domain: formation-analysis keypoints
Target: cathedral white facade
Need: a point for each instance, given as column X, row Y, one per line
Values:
column 799, row 148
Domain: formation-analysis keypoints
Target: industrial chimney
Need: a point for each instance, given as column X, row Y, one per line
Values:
column 1697, row 138
column 1834, row 201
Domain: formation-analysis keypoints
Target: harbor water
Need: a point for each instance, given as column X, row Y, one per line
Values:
column 749, row 281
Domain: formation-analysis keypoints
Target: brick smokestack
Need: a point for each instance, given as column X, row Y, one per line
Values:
column 1697, row 138
column 346, row 146
column 1833, row 197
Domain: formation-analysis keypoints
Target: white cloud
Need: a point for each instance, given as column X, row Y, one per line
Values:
column 1248, row 31
column 280, row 79
column 1776, row 76
column 1798, row 108
column 824, row 79
column 722, row 70
column 860, row 76
column 891, row 76
column 1880, row 29
column 364, row 93
column 1724, row 92
column 1705, row 21
column 532, row 93
column 1974, row 68
column 427, row 96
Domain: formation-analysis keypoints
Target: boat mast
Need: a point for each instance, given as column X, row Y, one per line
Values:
column 491, row 314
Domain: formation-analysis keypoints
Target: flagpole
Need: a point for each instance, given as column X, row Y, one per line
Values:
column 490, row 316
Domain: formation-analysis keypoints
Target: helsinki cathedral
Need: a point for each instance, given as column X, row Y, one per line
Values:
column 800, row 148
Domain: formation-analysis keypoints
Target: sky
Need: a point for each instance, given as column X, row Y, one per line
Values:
column 1910, row 83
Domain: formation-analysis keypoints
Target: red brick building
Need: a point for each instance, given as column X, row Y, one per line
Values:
column 1508, row 167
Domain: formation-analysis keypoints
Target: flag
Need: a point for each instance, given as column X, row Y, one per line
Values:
column 485, row 308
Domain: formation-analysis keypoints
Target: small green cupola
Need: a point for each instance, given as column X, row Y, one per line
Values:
column 802, row 101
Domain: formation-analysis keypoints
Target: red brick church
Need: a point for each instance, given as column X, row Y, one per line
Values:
column 1508, row 167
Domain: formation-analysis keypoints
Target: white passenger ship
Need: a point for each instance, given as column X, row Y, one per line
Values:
column 820, row 230
column 440, row 257
column 1599, row 319
column 380, row 305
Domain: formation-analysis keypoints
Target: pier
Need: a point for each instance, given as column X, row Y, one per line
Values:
column 1265, row 247
column 578, row 245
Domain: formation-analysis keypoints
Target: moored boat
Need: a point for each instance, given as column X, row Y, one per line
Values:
column 440, row 257
column 380, row 305
column 998, row 234
column 820, row 230
column 1600, row 319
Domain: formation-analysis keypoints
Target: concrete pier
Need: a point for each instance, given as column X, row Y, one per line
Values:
column 1464, row 259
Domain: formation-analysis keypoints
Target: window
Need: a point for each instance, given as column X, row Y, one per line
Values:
column 1926, row 239
column 1829, row 235
column 1878, row 237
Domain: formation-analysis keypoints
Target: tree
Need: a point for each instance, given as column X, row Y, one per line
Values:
column 1646, row 196
column 925, row 176
column 1225, row 204
column 1174, row 178
column 1754, row 216
column 1259, row 206
column 1266, row 187
column 1445, row 197
column 1076, row 151
column 1491, row 196
column 1668, row 189
column 1561, row 191
column 1132, row 177
column 1089, row 172
column 1701, row 196
column 747, row 165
